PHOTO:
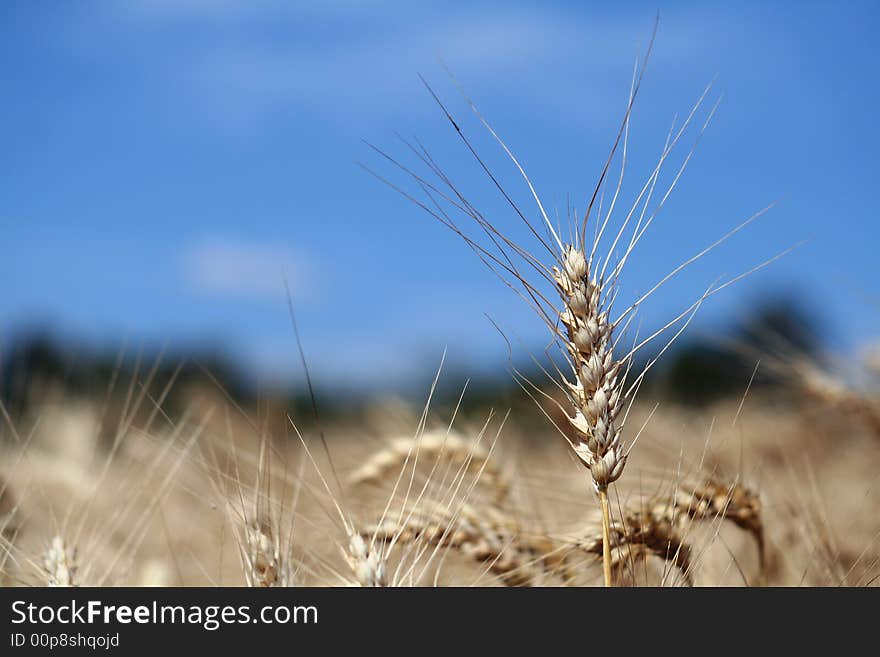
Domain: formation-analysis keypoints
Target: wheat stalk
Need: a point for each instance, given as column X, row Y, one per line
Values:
column 597, row 393
column 587, row 287
column 586, row 280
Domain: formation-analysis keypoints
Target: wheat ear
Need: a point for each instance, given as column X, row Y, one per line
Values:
column 265, row 561
column 650, row 530
column 366, row 561
column 438, row 446
column 659, row 527
column 485, row 534
column 711, row 498
column 597, row 393
column 586, row 281
column 59, row 562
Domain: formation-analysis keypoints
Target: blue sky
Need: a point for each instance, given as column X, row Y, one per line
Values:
column 164, row 161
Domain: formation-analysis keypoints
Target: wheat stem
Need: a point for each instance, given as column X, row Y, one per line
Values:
column 606, row 537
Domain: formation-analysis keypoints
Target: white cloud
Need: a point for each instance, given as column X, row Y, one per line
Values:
column 257, row 271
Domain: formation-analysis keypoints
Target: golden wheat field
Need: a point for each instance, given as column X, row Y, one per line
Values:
column 740, row 493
